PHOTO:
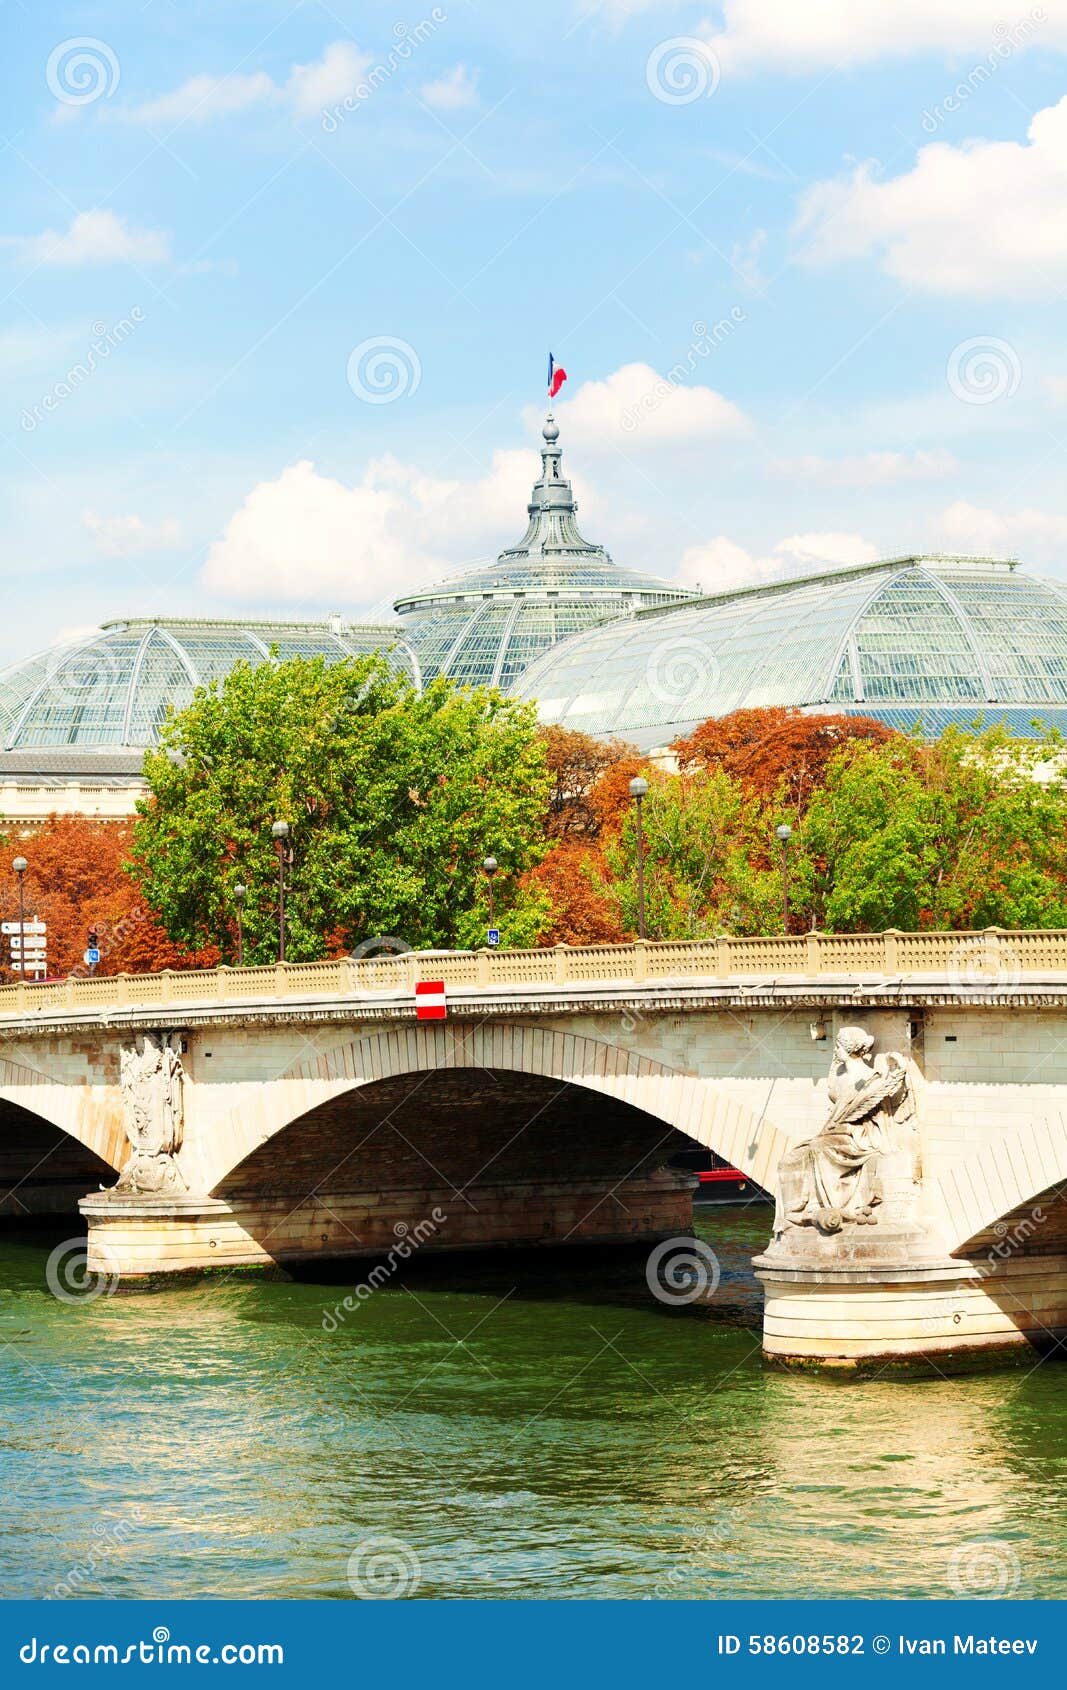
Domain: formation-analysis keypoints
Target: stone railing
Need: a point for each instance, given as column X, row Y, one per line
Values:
column 993, row 956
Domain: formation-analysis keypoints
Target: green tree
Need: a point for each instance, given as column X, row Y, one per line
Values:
column 708, row 862
column 952, row 834
column 393, row 799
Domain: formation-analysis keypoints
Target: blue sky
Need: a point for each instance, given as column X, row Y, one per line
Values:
column 210, row 208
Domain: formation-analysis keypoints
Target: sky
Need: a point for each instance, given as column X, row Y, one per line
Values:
column 279, row 283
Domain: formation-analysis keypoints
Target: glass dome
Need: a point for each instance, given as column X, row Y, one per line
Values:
column 930, row 639
column 483, row 628
column 114, row 688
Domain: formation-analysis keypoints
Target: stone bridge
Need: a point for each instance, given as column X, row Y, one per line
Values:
column 230, row 1118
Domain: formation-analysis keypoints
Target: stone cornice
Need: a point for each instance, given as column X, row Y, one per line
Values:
column 627, row 999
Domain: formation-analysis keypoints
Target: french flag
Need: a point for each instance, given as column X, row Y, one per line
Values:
column 557, row 375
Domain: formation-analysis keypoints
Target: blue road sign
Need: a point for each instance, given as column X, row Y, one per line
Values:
column 92, row 956
column 494, row 936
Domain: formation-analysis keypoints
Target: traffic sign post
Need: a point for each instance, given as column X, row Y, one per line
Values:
column 92, row 956
column 494, row 937
column 27, row 944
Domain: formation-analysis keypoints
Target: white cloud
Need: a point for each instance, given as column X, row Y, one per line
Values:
column 308, row 537
column 982, row 219
column 306, row 91
column 721, row 566
column 873, row 469
column 975, row 531
column 205, row 97
column 127, row 536
column 457, row 89
column 828, row 549
column 94, row 237
column 338, row 73
column 637, row 405
column 789, row 36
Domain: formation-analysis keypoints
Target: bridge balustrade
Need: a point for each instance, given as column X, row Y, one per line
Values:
column 991, row 953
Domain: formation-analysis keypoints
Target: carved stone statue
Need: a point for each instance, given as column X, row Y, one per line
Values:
column 151, row 1074
column 832, row 1180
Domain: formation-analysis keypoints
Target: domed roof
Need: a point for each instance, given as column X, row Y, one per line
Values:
column 930, row 639
column 484, row 626
column 114, row 687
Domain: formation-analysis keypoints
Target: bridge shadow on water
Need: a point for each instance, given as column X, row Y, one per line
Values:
column 715, row 1283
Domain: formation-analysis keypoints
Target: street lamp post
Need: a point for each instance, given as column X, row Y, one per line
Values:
column 240, row 893
column 490, row 866
column 280, row 833
column 638, row 792
column 785, row 834
column 20, row 865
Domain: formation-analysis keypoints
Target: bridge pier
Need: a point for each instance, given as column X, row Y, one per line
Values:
column 137, row 1235
column 926, row 1316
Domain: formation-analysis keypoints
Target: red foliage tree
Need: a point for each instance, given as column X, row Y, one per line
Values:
column 579, row 764
column 594, row 782
column 775, row 749
column 75, row 883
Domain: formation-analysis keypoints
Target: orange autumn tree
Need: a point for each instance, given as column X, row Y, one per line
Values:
column 75, row 882
column 588, row 803
column 777, row 752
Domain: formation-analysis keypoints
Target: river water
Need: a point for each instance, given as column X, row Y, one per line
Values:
column 513, row 1427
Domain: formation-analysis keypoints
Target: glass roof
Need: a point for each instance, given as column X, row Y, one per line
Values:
column 967, row 636
column 115, row 688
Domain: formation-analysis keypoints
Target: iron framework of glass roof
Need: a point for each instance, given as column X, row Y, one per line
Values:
column 924, row 640
column 485, row 626
column 115, row 687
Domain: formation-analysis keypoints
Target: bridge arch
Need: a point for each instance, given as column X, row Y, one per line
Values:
column 710, row 1112
column 1003, row 1179
column 75, row 1110
column 57, row 1141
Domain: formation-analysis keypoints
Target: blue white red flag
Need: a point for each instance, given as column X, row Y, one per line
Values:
column 557, row 375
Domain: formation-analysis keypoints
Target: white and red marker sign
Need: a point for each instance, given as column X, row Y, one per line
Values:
column 430, row 1003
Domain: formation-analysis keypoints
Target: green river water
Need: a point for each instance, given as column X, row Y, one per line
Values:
column 535, row 1426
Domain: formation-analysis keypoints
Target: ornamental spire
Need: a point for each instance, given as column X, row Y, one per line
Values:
column 552, row 533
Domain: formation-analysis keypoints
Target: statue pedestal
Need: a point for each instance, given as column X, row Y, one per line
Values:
column 867, row 1307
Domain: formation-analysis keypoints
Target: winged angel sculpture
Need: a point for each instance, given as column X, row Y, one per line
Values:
column 832, row 1179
